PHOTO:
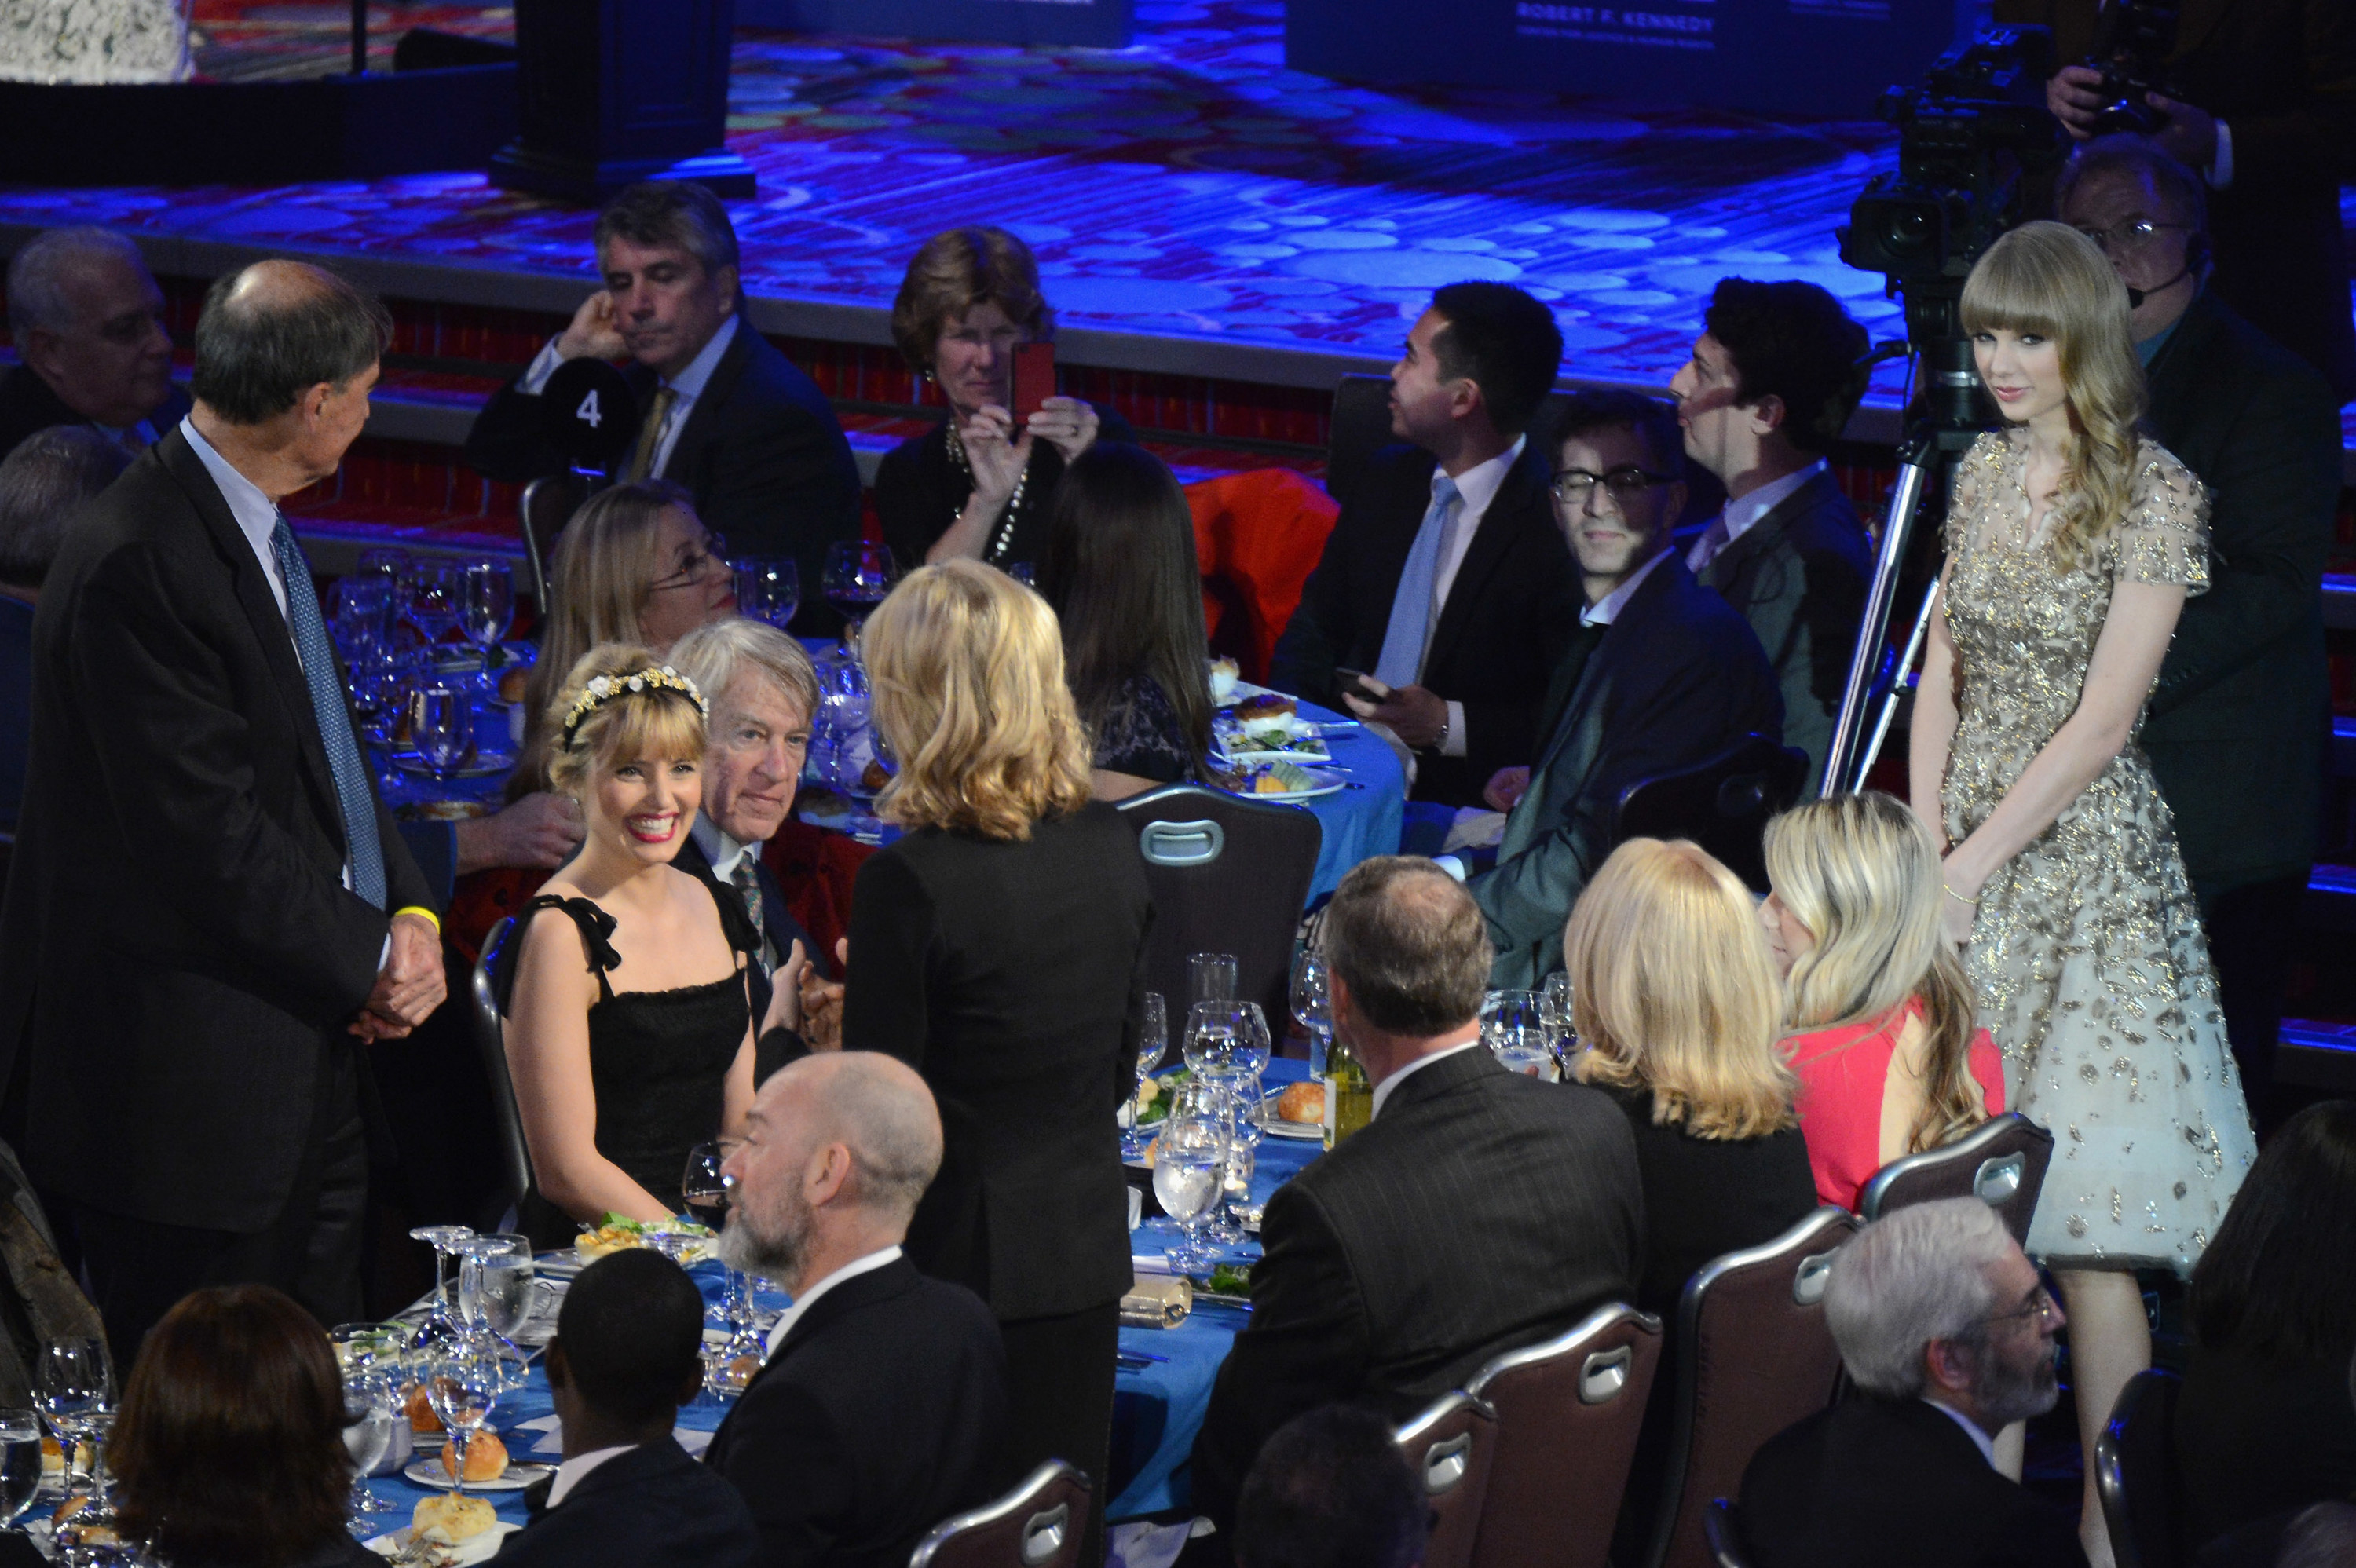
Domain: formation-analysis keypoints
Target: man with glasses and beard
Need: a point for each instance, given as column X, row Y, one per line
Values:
column 884, row 1391
column 1945, row 1325
column 1661, row 675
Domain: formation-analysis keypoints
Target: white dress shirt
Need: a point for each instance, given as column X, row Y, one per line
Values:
column 1607, row 610
column 718, row 847
column 1478, row 485
column 856, row 1266
column 1980, row 1440
column 1744, row 511
column 570, row 1472
column 685, row 388
column 256, row 515
column 1383, row 1089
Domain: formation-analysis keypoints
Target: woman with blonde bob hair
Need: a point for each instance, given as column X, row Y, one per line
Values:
column 2071, row 546
column 997, row 947
column 1883, row 1022
column 629, row 1014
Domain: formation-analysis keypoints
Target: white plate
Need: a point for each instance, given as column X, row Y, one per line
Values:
column 1277, row 1128
column 1322, row 783
column 474, row 1549
column 428, row 1472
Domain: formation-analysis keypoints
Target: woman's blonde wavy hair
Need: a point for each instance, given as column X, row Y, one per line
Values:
column 1673, row 991
column 661, row 723
column 1862, row 872
column 2049, row 279
column 967, row 666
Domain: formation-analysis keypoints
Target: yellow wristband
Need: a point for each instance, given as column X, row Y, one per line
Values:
column 422, row 912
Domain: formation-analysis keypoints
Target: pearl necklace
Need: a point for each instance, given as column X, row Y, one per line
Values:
column 1002, row 538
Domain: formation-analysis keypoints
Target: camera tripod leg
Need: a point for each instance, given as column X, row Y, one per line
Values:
column 1841, row 770
column 1888, row 709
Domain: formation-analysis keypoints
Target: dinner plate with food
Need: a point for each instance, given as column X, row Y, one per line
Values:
column 445, row 1531
column 1286, row 736
column 489, row 1468
column 620, row 1234
column 1297, row 1113
column 1277, row 779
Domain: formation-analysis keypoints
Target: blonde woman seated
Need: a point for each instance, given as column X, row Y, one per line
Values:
column 629, row 1032
column 1883, row 1038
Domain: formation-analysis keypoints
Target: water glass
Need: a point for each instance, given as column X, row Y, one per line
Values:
column 1210, row 977
column 1188, row 1165
column 437, row 595
column 1152, row 1044
column 20, row 1463
column 442, row 723
column 768, row 587
column 1313, row 1003
column 463, row 1377
column 445, row 1239
column 494, row 1284
column 74, row 1389
column 1515, row 1031
column 485, row 609
column 1555, row 1011
column 370, row 1409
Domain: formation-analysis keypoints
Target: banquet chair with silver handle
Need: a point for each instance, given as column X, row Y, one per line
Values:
column 546, row 506
column 1449, row 1447
column 1723, row 805
column 515, row 1156
column 1227, row 875
column 1037, row 1525
column 1754, row 1355
column 1723, row 1526
column 2001, row 1162
column 2135, row 1474
column 1567, row 1413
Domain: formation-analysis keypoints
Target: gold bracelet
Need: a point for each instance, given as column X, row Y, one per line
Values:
column 426, row 914
column 1957, row 896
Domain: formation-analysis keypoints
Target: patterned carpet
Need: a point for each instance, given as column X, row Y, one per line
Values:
column 1189, row 186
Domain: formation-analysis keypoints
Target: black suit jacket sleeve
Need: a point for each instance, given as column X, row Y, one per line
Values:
column 2273, row 490
column 1317, row 638
column 1308, row 1337
column 891, row 951
column 174, row 763
column 795, row 1470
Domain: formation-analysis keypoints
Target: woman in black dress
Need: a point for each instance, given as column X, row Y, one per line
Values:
column 996, row 947
column 628, row 1018
column 1121, row 572
column 975, row 485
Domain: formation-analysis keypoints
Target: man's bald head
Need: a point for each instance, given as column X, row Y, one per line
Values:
column 878, row 1108
column 278, row 328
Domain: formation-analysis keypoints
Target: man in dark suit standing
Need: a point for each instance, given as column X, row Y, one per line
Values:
column 884, row 1391
column 1444, row 579
column 1479, row 1212
column 2264, row 112
column 89, row 324
column 1947, row 1332
column 723, row 413
column 1772, row 383
column 627, row 1354
column 209, row 902
column 2238, row 722
column 1660, row 675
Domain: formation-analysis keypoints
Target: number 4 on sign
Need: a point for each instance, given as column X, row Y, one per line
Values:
column 587, row 413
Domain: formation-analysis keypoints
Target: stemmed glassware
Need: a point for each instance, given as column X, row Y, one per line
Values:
column 495, row 1280
column 20, row 1464
column 769, row 588
column 1189, row 1166
column 436, row 595
column 1512, row 1028
column 74, row 1388
column 442, row 724
column 373, row 1362
column 1210, row 977
column 707, row 1193
column 1153, row 1045
column 1312, row 1005
column 363, row 633
column 462, row 1376
column 857, row 577
column 486, row 609
column 444, row 1241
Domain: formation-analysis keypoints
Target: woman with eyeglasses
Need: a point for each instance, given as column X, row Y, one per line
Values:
column 2071, row 546
column 634, row 565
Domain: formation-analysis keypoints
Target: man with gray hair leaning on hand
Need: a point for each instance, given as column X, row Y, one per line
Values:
column 1946, row 1329
column 874, row 1419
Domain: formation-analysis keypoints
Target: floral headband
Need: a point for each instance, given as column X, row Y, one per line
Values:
column 605, row 688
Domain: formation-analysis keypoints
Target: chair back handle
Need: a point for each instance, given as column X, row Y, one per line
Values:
column 1182, row 843
column 1044, row 1532
column 1809, row 1280
column 1996, row 1180
column 1444, row 1464
column 1604, row 1374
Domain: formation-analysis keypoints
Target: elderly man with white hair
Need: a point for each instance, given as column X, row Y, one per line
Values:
column 88, row 319
column 884, row 1393
column 1947, row 1330
column 763, row 692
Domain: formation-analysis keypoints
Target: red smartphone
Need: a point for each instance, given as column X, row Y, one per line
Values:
column 1034, row 380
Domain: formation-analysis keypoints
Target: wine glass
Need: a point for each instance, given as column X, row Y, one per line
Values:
column 486, row 609
column 20, row 1464
column 1313, row 1005
column 858, row 575
column 370, row 1407
column 74, row 1388
column 769, row 588
column 463, row 1377
column 1513, row 1029
column 1210, row 976
column 1152, row 1044
column 494, row 1278
column 442, row 725
column 444, row 1240
column 706, row 1192
column 1188, row 1163
column 1554, row 1011
column 436, row 592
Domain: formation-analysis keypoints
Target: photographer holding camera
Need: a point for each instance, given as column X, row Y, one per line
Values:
column 2237, row 721
column 2258, row 97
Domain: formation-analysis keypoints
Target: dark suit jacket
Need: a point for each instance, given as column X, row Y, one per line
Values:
column 2237, row 724
column 2259, row 1434
column 920, row 490
column 784, row 930
column 1678, row 678
column 1798, row 575
column 2282, row 74
column 654, row 1507
column 178, row 950
column 1009, row 973
column 1513, row 600
column 1875, row 1481
column 26, row 404
column 15, row 705
column 1480, row 1212
column 761, row 450
column 877, row 1418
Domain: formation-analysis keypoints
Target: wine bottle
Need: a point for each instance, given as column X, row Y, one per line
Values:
column 1349, row 1098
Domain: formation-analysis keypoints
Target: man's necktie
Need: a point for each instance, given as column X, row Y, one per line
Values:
column 303, row 618
column 1412, row 611
column 642, row 456
column 749, row 884
column 1713, row 540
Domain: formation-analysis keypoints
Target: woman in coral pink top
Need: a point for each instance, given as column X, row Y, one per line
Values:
column 1877, row 1010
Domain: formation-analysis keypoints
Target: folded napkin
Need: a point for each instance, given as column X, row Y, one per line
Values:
column 1157, row 1301
column 1475, row 829
column 550, row 1439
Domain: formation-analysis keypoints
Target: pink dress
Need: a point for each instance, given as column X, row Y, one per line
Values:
column 1842, row 1071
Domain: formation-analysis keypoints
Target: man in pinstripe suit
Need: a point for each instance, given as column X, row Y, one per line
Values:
column 1477, row 1212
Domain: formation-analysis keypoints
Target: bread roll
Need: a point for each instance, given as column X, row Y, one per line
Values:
column 511, row 684
column 421, row 1411
column 451, row 1519
column 486, row 1457
column 1302, row 1103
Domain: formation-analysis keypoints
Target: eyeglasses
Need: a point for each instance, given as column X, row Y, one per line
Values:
column 1572, row 486
column 699, row 559
column 2040, row 1307
column 2128, row 235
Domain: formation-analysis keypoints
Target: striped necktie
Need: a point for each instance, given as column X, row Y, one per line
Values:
column 366, row 855
column 749, row 885
column 642, row 460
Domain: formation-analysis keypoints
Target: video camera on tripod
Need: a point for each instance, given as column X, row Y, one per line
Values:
column 1967, row 134
column 2133, row 39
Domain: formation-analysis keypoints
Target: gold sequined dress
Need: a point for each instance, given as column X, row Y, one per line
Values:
column 2087, row 952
